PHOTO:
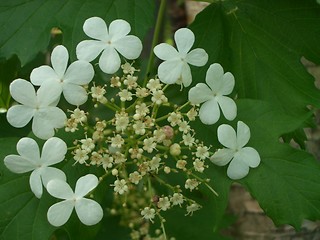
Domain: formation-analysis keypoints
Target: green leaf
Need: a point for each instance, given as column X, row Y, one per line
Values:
column 261, row 43
column 8, row 72
column 26, row 25
column 287, row 181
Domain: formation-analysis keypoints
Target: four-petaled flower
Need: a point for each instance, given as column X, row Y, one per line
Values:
column 241, row 157
column 29, row 159
column 70, row 80
column 175, row 68
column 40, row 106
column 110, row 42
column 88, row 210
column 220, row 84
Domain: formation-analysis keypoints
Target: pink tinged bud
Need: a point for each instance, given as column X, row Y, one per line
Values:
column 168, row 131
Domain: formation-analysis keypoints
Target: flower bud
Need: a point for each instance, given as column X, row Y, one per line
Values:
column 175, row 149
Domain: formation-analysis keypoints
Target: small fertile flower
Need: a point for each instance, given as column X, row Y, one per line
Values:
column 88, row 210
column 29, row 159
column 175, row 68
column 148, row 213
column 40, row 106
column 240, row 157
column 163, row 203
column 213, row 95
column 70, row 80
column 110, row 41
column 120, row 186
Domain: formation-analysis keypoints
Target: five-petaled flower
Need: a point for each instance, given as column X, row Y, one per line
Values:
column 220, row 84
column 175, row 68
column 40, row 106
column 88, row 210
column 110, row 41
column 29, row 159
column 70, row 80
column 241, row 157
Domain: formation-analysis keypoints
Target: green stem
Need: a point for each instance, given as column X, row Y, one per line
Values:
column 155, row 38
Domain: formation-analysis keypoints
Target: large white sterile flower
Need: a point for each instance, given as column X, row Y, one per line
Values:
column 88, row 210
column 70, row 80
column 110, row 41
column 219, row 84
column 175, row 68
column 241, row 157
column 29, row 159
column 40, row 106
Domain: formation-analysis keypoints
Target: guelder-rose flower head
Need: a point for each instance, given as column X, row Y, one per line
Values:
column 40, row 106
column 88, row 210
column 110, row 41
column 29, row 159
column 213, row 96
column 69, row 79
column 175, row 68
column 241, row 158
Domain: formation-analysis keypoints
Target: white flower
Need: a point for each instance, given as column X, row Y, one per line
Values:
column 110, row 41
column 29, row 159
column 148, row 213
column 88, row 210
column 69, row 79
column 220, row 84
column 241, row 157
column 175, row 68
column 40, row 106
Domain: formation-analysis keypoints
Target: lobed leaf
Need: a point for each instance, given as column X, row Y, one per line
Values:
column 26, row 25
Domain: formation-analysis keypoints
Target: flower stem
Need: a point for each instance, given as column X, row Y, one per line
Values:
column 155, row 39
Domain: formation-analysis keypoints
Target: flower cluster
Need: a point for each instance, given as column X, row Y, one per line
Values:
column 141, row 143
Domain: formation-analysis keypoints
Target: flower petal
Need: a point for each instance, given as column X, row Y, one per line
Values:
column 228, row 107
column 79, row 72
column 23, row 92
column 46, row 120
column 186, row 77
column 209, row 112
column 129, row 46
column 51, row 173
column 85, row 184
column 88, row 211
column 227, row 136
column 20, row 115
column 59, row 60
column 170, row 71
column 88, row 50
column 214, row 77
column 227, row 84
column 96, row 28
column 200, row 93
column 109, row 61
column 36, row 183
column 28, row 148
column 118, row 29
column 222, row 157
column 42, row 74
column 60, row 189
column 48, row 93
column 197, row 57
column 165, row 51
column 18, row 164
column 249, row 156
column 237, row 169
column 53, row 151
column 184, row 39
column 59, row 213
column 243, row 134
column 75, row 94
